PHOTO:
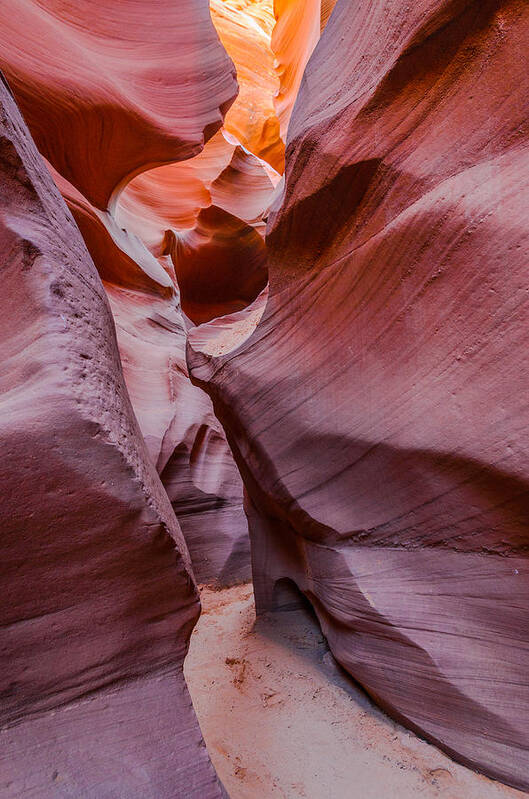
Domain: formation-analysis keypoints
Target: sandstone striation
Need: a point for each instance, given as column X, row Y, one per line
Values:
column 377, row 410
column 109, row 90
column 138, row 100
column 98, row 594
column 295, row 35
column 175, row 418
column 366, row 363
column 185, row 441
column 208, row 215
column 245, row 29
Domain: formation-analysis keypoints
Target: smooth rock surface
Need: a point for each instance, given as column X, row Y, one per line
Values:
column 175, row 418
column 208, row 215
column 111, row 89
column 138, row 100
column 294, row 37
column 245, row 28
column 378, row 410
column 98, row 595
column 185, row 441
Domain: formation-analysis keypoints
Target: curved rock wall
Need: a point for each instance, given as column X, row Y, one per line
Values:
column 296, row 33
column 245, row 29
column 137, row 100
column 111, row 89
column 373, row 393
column 295, row 36
column 100, row 595
column 378, row 410
column 99, row 599
column 207, row 214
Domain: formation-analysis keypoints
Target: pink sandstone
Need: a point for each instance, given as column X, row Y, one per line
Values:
column 378, row 410
column 98, row 594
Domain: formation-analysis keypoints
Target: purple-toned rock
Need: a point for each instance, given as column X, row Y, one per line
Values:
column 378, row 411
column 98, row 597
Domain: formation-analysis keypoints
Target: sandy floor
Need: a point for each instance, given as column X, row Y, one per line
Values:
column 281, row 720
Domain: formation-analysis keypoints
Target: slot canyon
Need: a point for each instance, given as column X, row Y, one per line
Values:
column 264, row 316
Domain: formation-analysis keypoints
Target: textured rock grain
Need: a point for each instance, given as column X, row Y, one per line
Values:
column 136, row 100
column 98, row 598
column 111, row 89
column 378, row 411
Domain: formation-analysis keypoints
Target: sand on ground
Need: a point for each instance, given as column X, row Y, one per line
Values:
column 281, row 720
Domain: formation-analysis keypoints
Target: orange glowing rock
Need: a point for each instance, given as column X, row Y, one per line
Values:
column 172, row 196
column 327, row 7
column 296, row 34
column 245, row 29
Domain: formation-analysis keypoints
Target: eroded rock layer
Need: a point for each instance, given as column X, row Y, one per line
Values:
column 98, row 597
column 109, row 90
column 378, row 411
column 245, row 29
column 295, row 35
column 137, row 100
column 294, row 38
column 208, row 215
column 184, row 439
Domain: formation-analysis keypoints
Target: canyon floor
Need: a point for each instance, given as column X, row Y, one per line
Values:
column 281, row 720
